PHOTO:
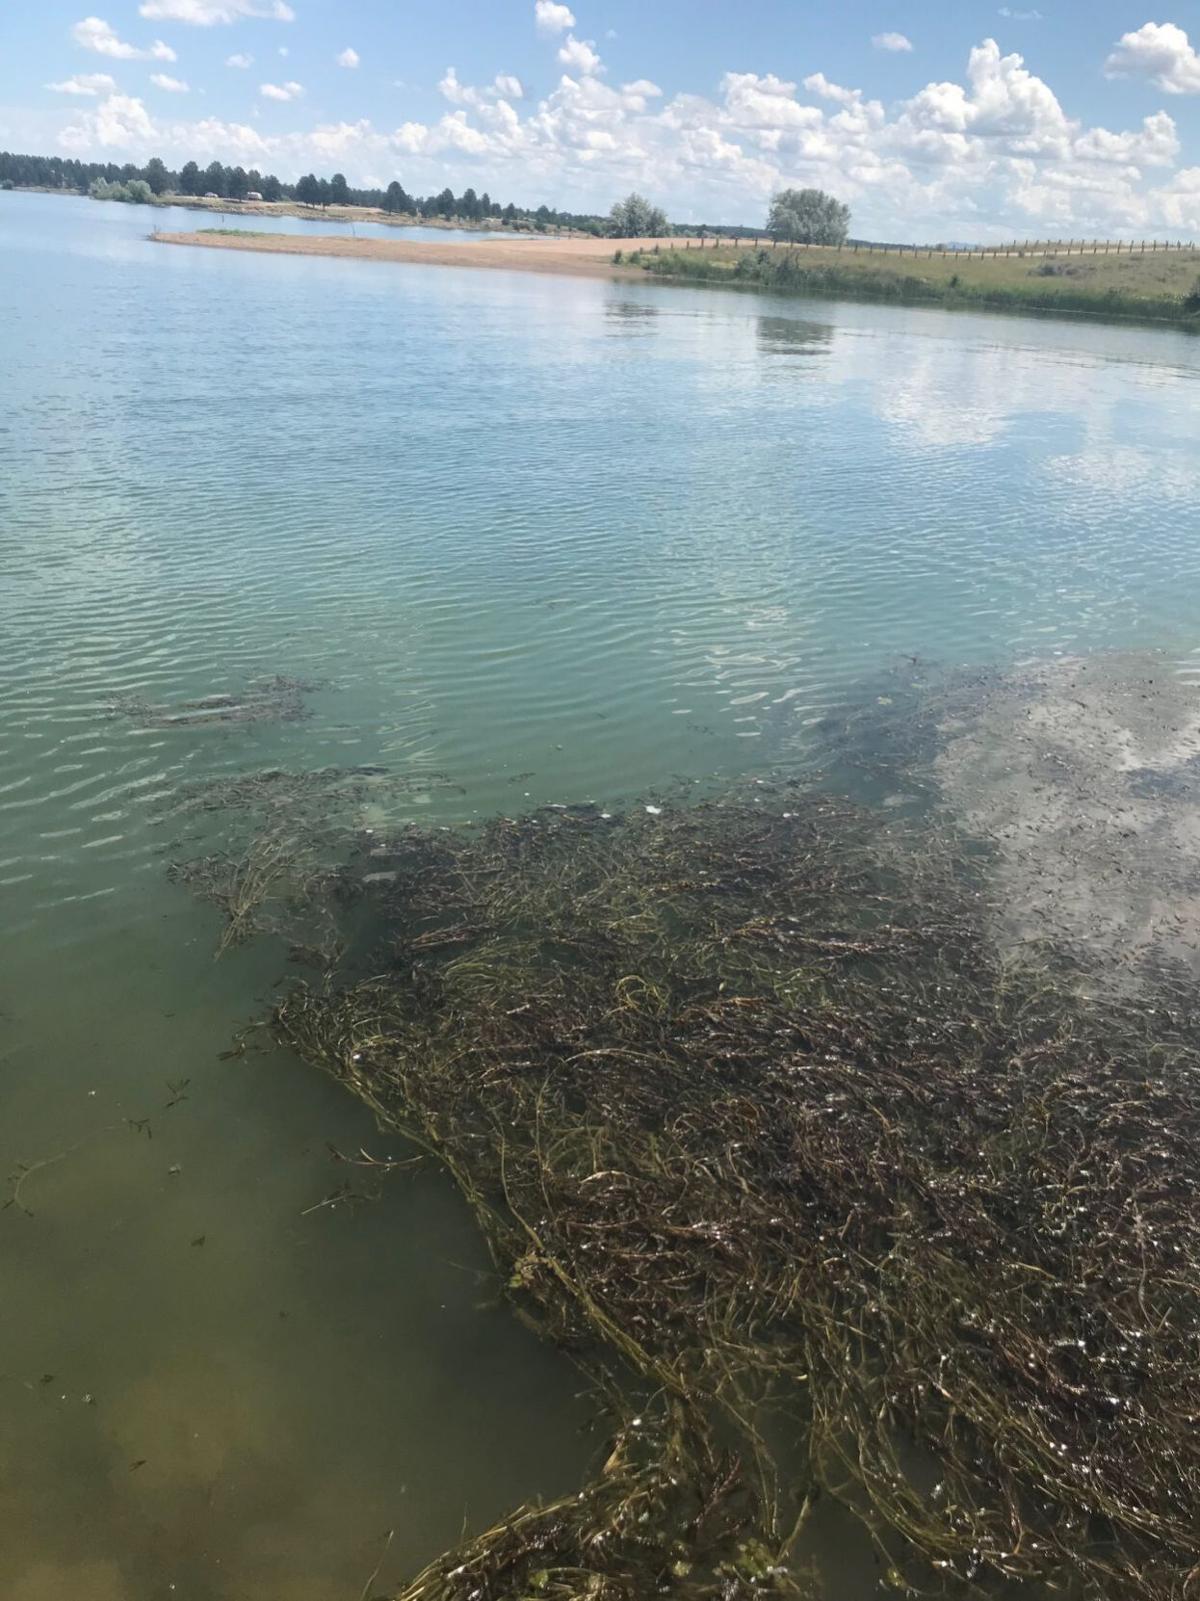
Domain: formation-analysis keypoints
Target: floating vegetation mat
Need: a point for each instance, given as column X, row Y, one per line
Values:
column 842, row 1196
column 277, row 699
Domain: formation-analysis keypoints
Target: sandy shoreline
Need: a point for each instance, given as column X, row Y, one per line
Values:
column 592, row 258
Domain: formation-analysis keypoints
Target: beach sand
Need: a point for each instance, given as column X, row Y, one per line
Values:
column 578, row 257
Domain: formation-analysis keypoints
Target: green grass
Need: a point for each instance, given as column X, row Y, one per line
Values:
column 1158, row 286
column 237, row 233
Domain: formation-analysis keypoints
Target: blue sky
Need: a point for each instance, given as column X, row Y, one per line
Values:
column 965, row 121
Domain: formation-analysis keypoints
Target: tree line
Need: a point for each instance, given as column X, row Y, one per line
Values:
column 801, row 216
column 236, row 182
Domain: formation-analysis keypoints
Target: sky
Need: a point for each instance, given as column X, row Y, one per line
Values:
column 932, row 121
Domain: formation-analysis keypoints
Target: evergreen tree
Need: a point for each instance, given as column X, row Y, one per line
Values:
column 156, row 176
column 190, row 182
column 214, row 179
column 339, row 190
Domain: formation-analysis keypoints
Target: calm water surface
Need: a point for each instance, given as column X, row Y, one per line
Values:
column 553, row 539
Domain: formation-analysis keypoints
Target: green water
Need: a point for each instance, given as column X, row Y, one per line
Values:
column 538, row 540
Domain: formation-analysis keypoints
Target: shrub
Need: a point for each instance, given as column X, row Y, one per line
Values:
column 136, row 192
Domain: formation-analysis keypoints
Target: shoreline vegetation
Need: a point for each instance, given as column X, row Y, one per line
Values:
column 1098, row 281
column 1160, row 287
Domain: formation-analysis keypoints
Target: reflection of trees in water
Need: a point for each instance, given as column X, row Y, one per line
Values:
column 790, row 336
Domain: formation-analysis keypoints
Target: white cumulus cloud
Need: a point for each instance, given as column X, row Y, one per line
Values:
column 241, row 59
column 93, row 33
column 991, row 154
column 281, row 91
column 348, row 58
column 508, row 85
column 579, row 55
column 208, row 13
column 1160, row 51
column 121, row 122
column 175, row 86
column 1019, row 16
column 85, row 83
column 891, row 41
column 552, row 17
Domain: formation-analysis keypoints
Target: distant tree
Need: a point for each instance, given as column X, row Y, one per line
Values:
column 237, row 183
column 214, row 179
column 447, row 206
column 270, row 188
column 509, row 214
column 635, row 218
column 808, row 217
column 395, row 200
column 339, row 190
column 322, row 192
column 308, row 190
column 190, row 179
column 156, row 176
column 468, row 206
column 255, row 179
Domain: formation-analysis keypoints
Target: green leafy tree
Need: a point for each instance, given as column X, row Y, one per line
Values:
column 808, row 217
column 156, row 176
column 270, row 188
column 237, row 182
column 339, row 190
column 214, row 179
column 395, row 200
column 635, row 218
column 322, row 192
column 308, row 190
column 190, row 179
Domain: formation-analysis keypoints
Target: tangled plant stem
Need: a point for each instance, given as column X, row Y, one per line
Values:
column 828, row 1195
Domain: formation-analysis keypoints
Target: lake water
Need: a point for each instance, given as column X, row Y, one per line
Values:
column 179, row 218
column 540, row 540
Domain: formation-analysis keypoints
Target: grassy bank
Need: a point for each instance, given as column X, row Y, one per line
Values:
column 1161, row 287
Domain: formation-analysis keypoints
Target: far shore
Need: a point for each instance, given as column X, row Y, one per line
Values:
column 1153, row 286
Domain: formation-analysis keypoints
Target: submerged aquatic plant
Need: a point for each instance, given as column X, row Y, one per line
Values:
column 833, row 1198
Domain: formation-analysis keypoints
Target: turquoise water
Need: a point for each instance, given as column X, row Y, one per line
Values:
column 537, row 539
